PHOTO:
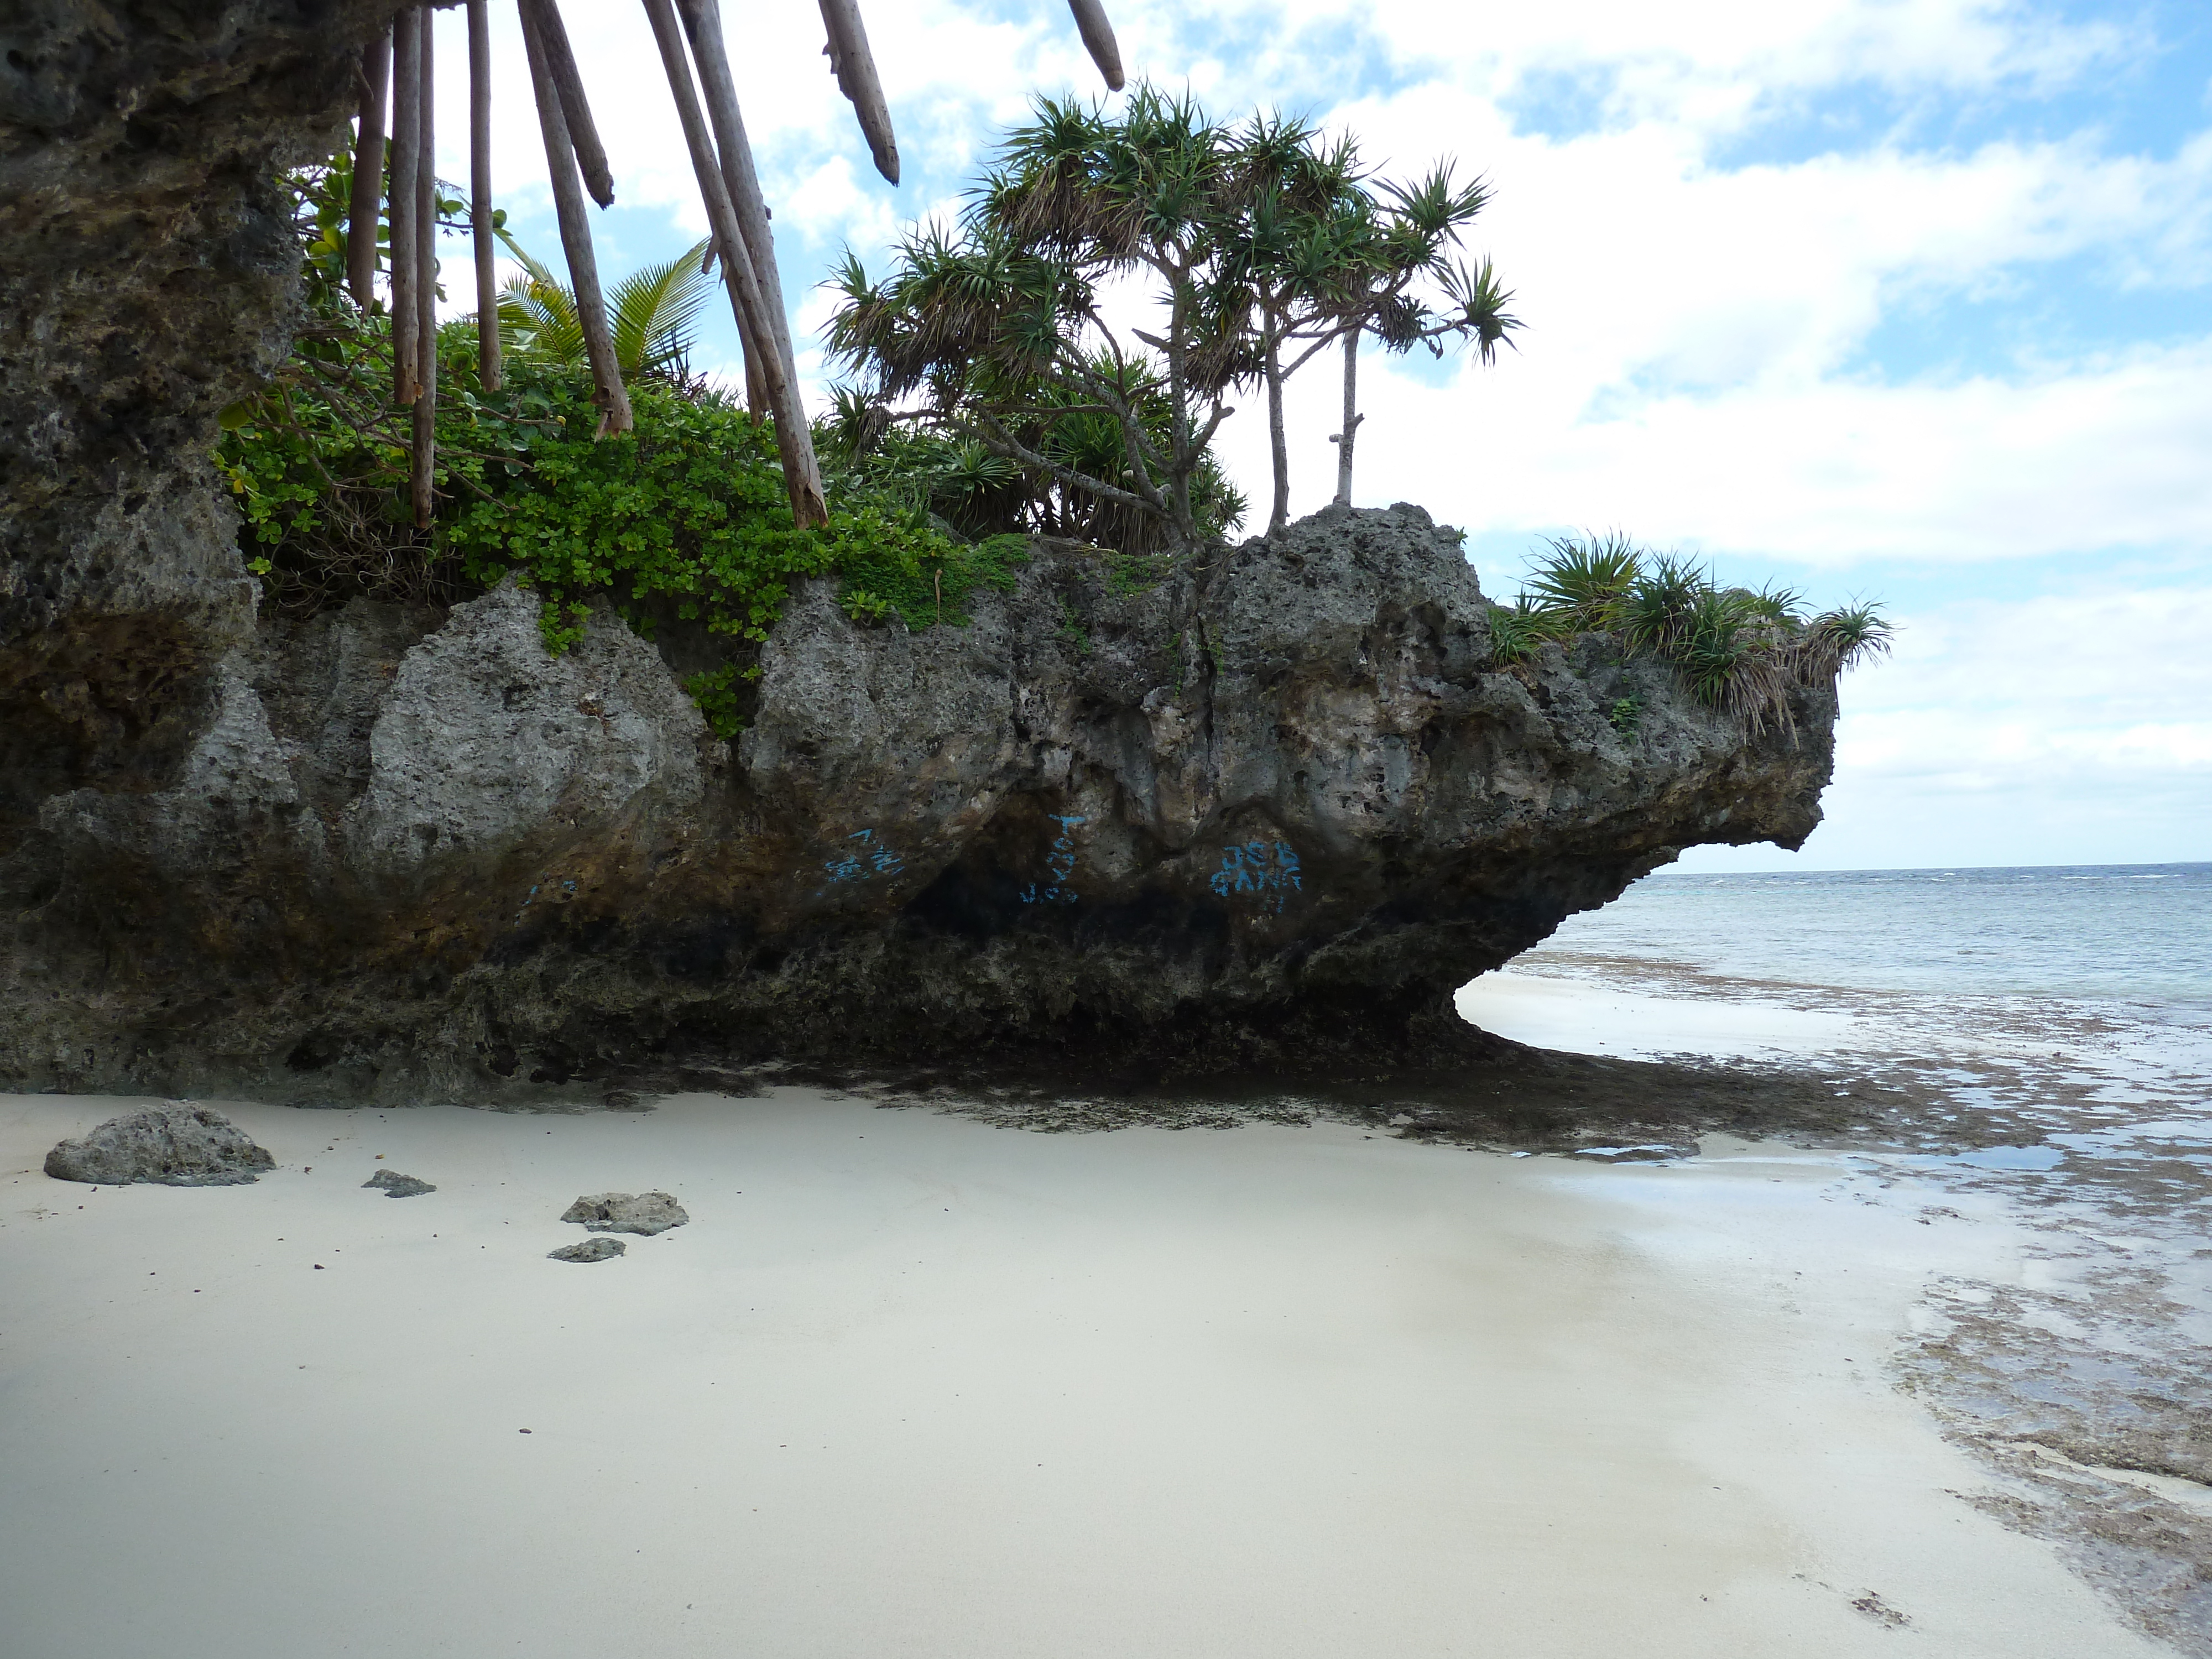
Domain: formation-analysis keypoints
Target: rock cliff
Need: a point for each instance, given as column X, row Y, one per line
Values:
column 147, row 267
column 1272, row 808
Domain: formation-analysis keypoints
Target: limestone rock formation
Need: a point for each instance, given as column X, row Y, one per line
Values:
column 643, row 1214
column 1268, row 807
column 591, row 1250
column 393, row 1184
column 173, row 1145
column 147, row 264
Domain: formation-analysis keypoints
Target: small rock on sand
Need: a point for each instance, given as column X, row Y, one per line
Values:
column 393, row 1184
column 591, row 1250
column 176, row 1144
column 624, row 1213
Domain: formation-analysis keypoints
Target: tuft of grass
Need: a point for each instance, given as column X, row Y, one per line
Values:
column 1739, row 650
column 1587, row 581
column 1853, row 633
column 1656, row 611
column 1517, row 629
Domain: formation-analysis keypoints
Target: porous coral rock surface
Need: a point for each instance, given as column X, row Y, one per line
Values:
column 176, row 1144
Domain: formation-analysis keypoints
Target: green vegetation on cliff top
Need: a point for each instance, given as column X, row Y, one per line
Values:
column 685, row 517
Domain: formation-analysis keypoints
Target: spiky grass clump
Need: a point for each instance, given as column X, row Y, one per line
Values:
column 1656, row 613
column 1586, row 582
column 1852, row 633
column 1742, row 651
column 1515, row 631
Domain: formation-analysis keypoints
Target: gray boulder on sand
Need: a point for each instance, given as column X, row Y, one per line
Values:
column 176, row 1144
column 623, row 1212
column 393, row 1184
column 591, row 1250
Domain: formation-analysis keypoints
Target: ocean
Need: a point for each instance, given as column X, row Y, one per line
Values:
column 2135, row 932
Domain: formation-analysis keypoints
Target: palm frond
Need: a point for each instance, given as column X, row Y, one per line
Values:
column 652, row 312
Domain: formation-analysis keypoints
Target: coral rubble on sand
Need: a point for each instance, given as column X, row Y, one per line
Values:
column 174, row 1145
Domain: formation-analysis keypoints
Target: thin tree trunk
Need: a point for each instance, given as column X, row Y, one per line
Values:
column 406, row 130
column 1099, row 40
column 560, row 63
column 1279, row 448
column 425, row 459
column 763, row 368
column 576, row 235
column 855, row 70
column 480, row 229
column 1181, row 461
column 702, row 21
column 367, row 170
column 1352, row 417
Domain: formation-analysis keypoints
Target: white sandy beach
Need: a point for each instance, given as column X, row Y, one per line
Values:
column 911, row 1385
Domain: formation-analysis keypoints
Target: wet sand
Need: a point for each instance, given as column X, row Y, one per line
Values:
column 909, row 1384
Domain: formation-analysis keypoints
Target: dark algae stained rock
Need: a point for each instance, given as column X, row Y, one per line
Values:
column 174, row 1145
column 393, row 1184
column 1265, row 807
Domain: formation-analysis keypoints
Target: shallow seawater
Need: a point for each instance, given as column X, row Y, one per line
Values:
column 2064, row 1014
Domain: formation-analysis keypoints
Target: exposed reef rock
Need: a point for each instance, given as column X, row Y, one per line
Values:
column 393, row 1184
column 1264, row 809
column 591, row 1250
column 1271, row 809
column 644, row 1213
column 175, row 1145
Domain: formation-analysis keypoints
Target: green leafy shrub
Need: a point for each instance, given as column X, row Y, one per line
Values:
column 685, row 517
column 690, row 508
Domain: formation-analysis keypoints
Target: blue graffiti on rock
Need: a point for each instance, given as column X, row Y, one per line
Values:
column 871, row 858
column 1061, row 861
column 1258, row 873
column 565, row 891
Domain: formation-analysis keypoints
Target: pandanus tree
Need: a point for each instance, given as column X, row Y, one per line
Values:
column 1327, row 253
column 999, row 326
column 1162, row 248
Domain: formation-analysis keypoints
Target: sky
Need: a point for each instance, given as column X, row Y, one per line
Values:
column 1906, row 300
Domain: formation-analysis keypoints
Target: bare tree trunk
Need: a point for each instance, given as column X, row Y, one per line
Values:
column 406, row 131
column 855, row 70
column 1352, row 417
column 1099, row 40
column 423, row 483
column 367, row 170
column 576, row 235
column 702, row 23
column 561, row 64
column 763, row 368
column 1278, row 449
column 480, row 193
